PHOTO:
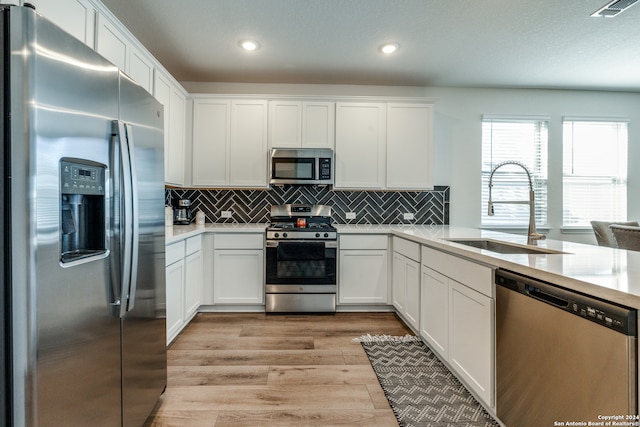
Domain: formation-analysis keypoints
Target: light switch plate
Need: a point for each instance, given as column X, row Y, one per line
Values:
column 225, row 214
column 351, row 215
column 407, row 216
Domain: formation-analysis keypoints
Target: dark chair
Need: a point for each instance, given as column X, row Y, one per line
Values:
column 603, row 233
column 627, row 236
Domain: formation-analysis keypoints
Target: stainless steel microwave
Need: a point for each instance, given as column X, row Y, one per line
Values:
column 301, row 166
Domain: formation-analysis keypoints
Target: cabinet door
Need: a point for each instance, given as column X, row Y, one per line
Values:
column 141, row 69
column 211, row 142
column 176, row 161
column 363, row 277
column 112, row 43
column 248, row 153
column 285, row 124
column 471, row 339
column 193, row 284
column 412, row 298
column 175, row 285
column 434, row 310
column 162, row 92
column 239, row 276
column 318, row 124
column 360, row 145
column 207, row 268
column 76, row 17
column 409, row 147
column 399, row 283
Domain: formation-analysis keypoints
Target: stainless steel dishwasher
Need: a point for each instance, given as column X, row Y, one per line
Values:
column 562, row 356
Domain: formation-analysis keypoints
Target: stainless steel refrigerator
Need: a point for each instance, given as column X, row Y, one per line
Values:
column 82, row 224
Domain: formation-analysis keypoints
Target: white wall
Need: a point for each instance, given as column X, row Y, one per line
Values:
column 458, row 114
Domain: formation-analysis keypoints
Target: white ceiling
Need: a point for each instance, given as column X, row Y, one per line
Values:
column 480, row 43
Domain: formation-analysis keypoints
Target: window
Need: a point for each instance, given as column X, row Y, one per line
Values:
column 594, row 178
column 521, row 139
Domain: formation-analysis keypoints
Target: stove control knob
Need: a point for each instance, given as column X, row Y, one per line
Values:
column 317, row 234
column 285, row 235
column 277, row 235
column 326, row 234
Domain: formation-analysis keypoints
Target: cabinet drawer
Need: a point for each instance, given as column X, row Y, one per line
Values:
column 193, row 244
column 471, row 274
column 239, row 241
column 407, row 248
column 367, row 241
column 174, row 252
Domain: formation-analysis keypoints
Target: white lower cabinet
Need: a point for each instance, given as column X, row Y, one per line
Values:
column 193, row 277
column 363, row 269
column 457, row 311
column 175, row 288
column 406, row 281
column 183, row 283
column 238, row 268
column 434, row 310
column 471, row 338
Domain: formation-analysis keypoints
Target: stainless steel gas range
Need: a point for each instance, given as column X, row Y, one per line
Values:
column 301, row 260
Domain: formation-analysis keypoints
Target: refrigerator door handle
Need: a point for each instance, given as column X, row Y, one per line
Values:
column 135, row 223
column 130, row 218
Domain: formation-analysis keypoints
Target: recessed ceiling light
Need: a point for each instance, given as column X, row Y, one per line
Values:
column 389, row 48
column 249, row 45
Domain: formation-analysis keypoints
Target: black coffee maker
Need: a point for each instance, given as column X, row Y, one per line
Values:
column 182, row 214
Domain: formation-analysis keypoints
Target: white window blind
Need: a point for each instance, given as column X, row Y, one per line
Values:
column 594, row 179
column 522, row 139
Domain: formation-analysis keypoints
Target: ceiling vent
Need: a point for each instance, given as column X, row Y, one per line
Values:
column 614, row 8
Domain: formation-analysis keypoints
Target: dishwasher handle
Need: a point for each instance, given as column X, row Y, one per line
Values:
column 539, row 294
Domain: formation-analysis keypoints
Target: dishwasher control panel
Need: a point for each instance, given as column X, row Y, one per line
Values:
column 610, row 315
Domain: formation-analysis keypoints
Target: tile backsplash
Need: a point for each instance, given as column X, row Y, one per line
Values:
column 370, row 207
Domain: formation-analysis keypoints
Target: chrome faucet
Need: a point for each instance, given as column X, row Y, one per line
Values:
column 532, row 236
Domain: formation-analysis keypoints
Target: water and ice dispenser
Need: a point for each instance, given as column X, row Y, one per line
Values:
column 82, row 209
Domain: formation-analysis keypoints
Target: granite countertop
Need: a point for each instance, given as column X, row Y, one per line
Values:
column 610, row 274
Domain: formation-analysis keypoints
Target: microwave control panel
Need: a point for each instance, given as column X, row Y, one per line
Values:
column 325, row 168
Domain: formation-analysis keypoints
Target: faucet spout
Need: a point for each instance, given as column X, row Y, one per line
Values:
column 532, row 235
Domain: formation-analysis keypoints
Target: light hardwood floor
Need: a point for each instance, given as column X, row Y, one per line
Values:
column 275, row 370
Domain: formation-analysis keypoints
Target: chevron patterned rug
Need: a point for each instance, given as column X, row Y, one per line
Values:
column 421, row 391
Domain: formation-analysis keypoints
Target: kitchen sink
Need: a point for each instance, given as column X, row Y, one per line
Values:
column 503, row 247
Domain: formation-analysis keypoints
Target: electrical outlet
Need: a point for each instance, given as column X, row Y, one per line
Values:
column 407, row 216
column 225, row 214
column 351, row 215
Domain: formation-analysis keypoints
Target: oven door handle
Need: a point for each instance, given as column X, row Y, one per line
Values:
column 327, row 244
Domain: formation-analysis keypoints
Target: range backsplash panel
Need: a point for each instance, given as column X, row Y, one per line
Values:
column 371, row 207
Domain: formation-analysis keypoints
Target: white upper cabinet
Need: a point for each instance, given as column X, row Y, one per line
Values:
column 360, row 145
column 249, row 151
column 211, row 142
column 76, row 17
column 301, row 124
column 177, row 129
column 409, row 146
column 285, row 124
column 112, row 43
column 174, row 102
column 318, row 124
column 141, row 69
column 230, row 143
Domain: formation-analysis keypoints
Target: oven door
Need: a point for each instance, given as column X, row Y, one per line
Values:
column 299, row 262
